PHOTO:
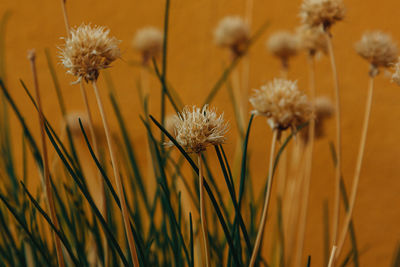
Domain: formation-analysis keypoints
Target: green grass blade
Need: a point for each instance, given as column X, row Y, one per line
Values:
column 58, row 232
column 25, row 228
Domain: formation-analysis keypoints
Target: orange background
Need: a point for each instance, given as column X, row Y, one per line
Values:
column 194, row 64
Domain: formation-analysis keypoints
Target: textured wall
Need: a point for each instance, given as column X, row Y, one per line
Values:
column 195, row 63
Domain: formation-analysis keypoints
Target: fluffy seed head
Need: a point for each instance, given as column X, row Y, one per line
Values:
column 234, row 33
column 89, row 50
column 312, row 39
column 323, row 110
column 322, row 12
column 196, row 128
column 149, row 42
column 282, row 103
column 283, row 45
column 378, row 49
column 396, row 74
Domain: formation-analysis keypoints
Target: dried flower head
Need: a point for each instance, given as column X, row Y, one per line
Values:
column 312, row 39
column 149, row 42
column 323, row 110
column 282, row 103
column 283, row 45
column 396, row 74
column 72, row 120
column 196, row 128
column 234, row 33
column 322, row 12
column 378, row 49
column 89, row 50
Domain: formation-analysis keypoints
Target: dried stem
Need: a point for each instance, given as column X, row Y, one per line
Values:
column 266, row 201
column 65, row 14
column 356, row 178
column 203, row 219
column 95, row 146
column 332, row 257
column 121, row 195
column 246, row 57
column 336, row 209
column 46, row 170
column 308, row 166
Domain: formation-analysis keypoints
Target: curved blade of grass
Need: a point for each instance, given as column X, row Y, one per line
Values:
column 25, row 128
column 58, row 232
column 61, row 103
column 234, row 201
column 208, row 189
column 88, row 197
column 25, row 227
column 345, row 199
column 130, row 150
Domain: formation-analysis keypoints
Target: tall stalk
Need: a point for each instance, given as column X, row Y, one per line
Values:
column 95, row 146
column 65, row 15
column 360, row 156
column 336, row 209
column 118, row 181
column 203, row 219
column 46, row 170
column 308, row 165
column 266, row 201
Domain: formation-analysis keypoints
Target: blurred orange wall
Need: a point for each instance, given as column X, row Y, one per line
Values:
column 194, row 64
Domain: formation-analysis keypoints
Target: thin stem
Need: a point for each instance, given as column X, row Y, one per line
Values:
column 95, row 146
column 65, row 14
column 356, row 178
column 203, row 219
column 332, row 257
column 336, row 209
column 266, row 201
column 121, row 195
column 308, row 165
column 246, row 57
column 46, row 171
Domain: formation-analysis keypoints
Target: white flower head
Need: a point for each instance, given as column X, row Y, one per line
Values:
column 234, row 33
column 197, row 128
column 149, row 42
column 89, row 50
column 282, row 103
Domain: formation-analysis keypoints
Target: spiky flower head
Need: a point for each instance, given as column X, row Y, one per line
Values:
column 312, row 39
column 234, row 33
column 396, row 74
column 378, row 49
column 88, row 50
column 323, row 110
column 283, row 44
column 149, row 42
column 282, row 103
column 315, row 13
column 197, row 128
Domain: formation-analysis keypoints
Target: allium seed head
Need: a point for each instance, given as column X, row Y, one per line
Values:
column 196, row 129
column 378, row 49
column 89, row 50
column 149, row 42
column 283, row 45
column 322, row 12
column 282, row 103
column 234, row 33
column 312, row 39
